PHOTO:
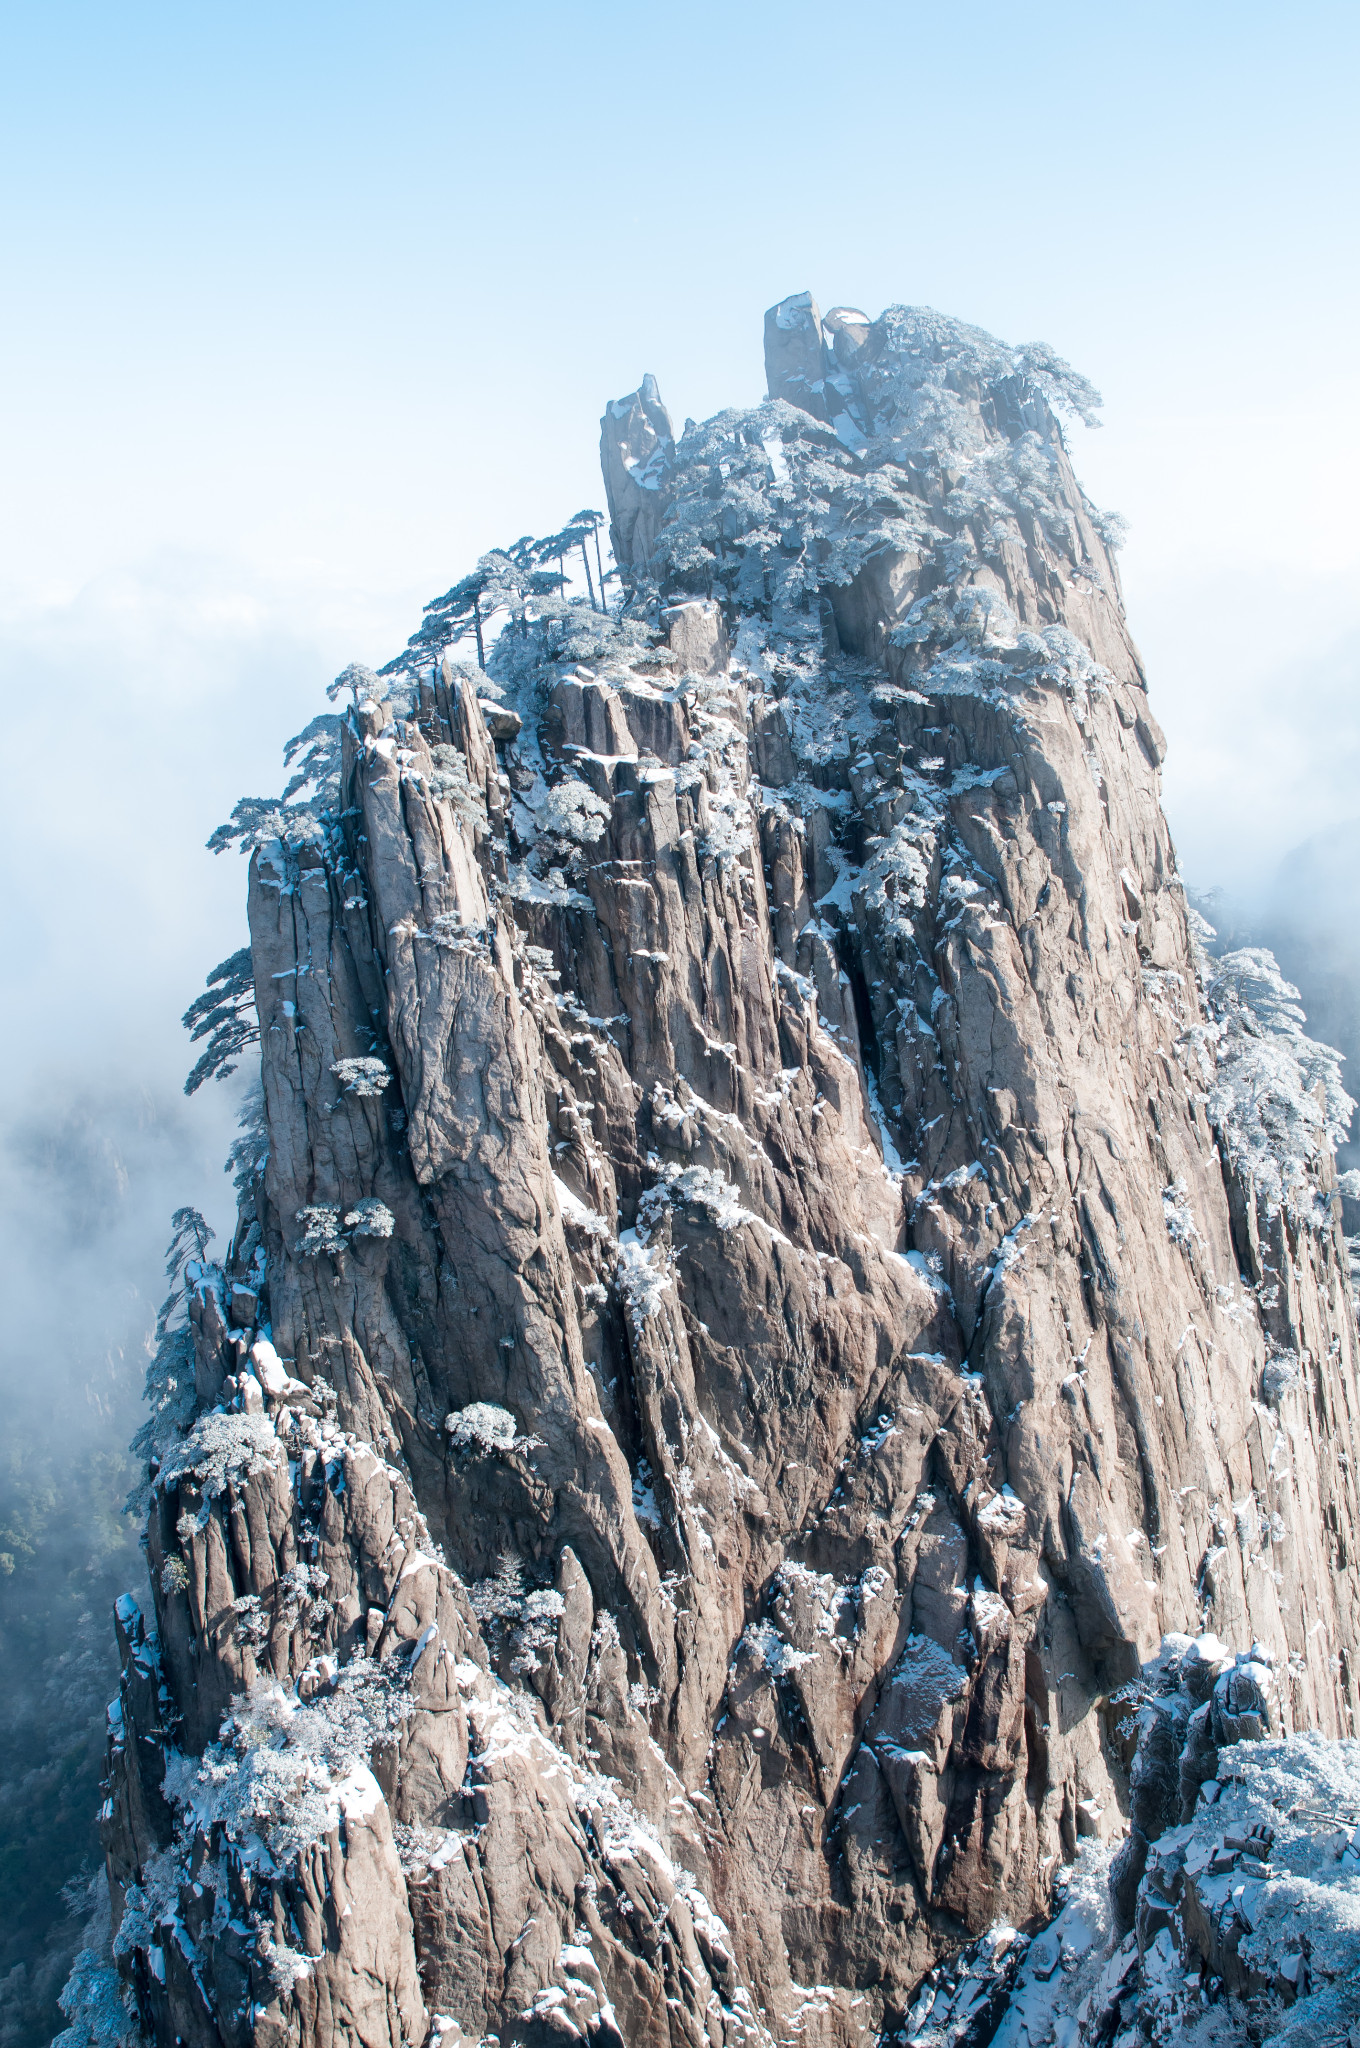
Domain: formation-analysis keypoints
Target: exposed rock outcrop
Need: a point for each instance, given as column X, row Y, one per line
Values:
column 1235, row 1921
column 759, row 1298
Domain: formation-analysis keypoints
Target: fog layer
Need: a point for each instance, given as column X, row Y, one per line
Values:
column 137, row 714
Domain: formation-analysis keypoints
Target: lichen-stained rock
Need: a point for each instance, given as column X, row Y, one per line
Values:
column 775, row 1270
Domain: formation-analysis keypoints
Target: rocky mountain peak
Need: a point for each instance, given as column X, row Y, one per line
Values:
column 773, row 1273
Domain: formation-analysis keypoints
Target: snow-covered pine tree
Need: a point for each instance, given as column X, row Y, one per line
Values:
column 225, row 1015
column 190, row 1236
column 502, row 581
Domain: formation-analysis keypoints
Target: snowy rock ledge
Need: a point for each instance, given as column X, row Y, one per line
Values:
column 1230, row 1915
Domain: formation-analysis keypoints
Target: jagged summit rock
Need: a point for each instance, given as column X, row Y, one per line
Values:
column 771, row 1272
column 807, row 355
column 635, row 436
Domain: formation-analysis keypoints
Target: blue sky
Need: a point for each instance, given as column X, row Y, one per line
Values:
column 305, row 307
column 302, row 283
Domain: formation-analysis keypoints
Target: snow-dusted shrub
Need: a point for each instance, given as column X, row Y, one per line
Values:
column 448, row 782
column 448, row 930
column 1276, row 1098
column 222, row 1448
column 481, row 1426
column 1180, row 1221
column 644, row 1497
column 1282, row 1373
column 370, row 1218
column 320, row 1230
column 252, row 1621
column 174, row 1576
column 501, row 1597
column 573, row 811
column 694, row 1187
column 779, row 1658
column 536, row 1632
column 728, row 835
column 641, row 1277
column 283, row 1771
column 364, row 1077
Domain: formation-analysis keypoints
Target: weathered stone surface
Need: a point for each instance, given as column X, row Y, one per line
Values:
column 1234, row 1923
column 754, row 1335
column 697, row 633
column 793, row 353
column 635, row 435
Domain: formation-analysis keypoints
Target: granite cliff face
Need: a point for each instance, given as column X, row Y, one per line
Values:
column 771, row 1273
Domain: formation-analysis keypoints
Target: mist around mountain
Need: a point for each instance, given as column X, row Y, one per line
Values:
column 1308, row 915
column 88, row 1175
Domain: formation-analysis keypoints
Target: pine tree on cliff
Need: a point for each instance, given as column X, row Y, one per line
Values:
column 578, row 532
column 190, row 1236
column 225, row 1015
column 502, row 581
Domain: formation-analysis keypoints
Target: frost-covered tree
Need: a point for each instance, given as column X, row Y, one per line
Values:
column 321, row 1230
column 768, row 505
column 190, row 1236
column 504, row 580
column 947, row 444
column 256, row 820
column 501, row 1597
column 573, row 811
column 578, row 533
column 595, row 521
column 1275, row 1094
column 1276, row 1097
column 169, row 1389
column 370, row 1218
column 226, row 1016
column 468, row 602
column 562, row 629
column 483, row 1426
column 250, row 1150
column 358, row 679
column 318, row 745
column 363, row 1077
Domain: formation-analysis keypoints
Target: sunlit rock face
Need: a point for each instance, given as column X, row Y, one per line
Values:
column 769, row 1277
